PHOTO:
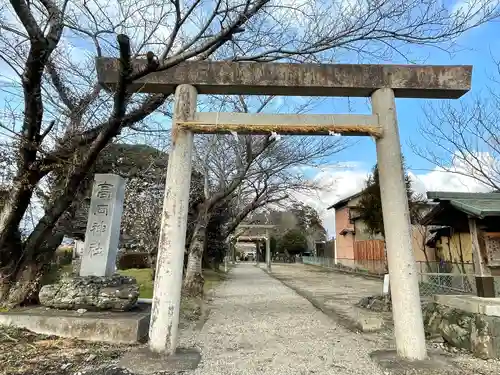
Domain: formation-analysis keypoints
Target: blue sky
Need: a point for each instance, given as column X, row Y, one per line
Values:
column 478, row 46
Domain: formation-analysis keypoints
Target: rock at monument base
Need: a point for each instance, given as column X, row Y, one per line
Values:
column 75, row 266
column 93, row 293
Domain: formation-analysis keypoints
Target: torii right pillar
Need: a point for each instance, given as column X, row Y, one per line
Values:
column 407, row 310
column 268, row 251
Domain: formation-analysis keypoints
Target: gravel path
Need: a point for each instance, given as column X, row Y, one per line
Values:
column 259, row 326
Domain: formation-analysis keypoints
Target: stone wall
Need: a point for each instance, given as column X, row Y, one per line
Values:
column 477, row 333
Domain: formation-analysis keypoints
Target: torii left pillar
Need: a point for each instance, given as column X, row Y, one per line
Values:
column 268, row 251
column 164, row 325
column 257, row 253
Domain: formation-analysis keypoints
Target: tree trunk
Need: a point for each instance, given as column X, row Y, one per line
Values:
column 216, row 264
column 13, row 206
column 21, row 277
column 13, row 269
column 23, row 284
column 233, row 251
column 194, row 281
column 427, row 262
column 205, row 262
column 21, row 281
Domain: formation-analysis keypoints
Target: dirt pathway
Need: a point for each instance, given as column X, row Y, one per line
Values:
column 259, row 326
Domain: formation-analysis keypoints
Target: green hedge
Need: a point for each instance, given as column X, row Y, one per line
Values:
column 133, row 260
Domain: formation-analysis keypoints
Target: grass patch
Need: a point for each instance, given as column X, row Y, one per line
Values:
column 144, row 277
column 145, row 281
column 66, row 269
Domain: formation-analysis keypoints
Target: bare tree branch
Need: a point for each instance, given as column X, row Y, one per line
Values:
column 463, row 139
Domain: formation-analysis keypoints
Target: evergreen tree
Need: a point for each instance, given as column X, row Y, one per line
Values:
column 294, row 242
column 370, row 205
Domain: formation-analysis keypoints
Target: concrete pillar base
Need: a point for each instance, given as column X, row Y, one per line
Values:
column 485, row 286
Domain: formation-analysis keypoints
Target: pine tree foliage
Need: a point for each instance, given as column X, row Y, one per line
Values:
column 370, row 205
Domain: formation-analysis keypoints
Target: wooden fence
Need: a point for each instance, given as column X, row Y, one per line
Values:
column 370, row 255
column 369, row 250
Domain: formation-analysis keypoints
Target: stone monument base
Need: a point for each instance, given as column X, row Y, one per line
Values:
column 95, row 293
column 142, row 361
column 466, row 322
column 116, row 327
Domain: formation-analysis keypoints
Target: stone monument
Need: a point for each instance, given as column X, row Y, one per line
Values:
column 78, row 250
column 97, row 287
column 103, row 226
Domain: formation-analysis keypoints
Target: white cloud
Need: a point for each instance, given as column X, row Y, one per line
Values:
column 465, row 174
column 441, row 180
column 464, row 7
column 474, row 11
column 337, row 183
column 340, row 182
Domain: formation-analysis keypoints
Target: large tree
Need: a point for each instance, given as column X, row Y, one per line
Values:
column 57, row 114
column 67, row 118
column 293, row 242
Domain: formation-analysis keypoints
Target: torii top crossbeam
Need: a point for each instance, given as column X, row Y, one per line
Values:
column 243, row 236
column 247, row 78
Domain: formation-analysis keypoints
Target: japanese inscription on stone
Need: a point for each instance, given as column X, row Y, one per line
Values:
column 103, row 226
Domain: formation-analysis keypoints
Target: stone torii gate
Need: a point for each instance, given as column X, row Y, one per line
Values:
column 266, row 237
column 382, row 83
column 255, row 238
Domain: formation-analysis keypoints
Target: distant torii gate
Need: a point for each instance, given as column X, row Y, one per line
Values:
column 380, row 82
column 266, row 237
column 258, row 239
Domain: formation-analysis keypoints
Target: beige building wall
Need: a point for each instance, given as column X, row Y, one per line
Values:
column 457, row 248
column 421, row 252
column 344, row 244
column 362, row 233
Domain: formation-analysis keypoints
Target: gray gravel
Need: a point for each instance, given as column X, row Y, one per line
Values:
column 258, row 326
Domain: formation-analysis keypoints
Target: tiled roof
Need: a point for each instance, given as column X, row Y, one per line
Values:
column 480, row 205
column 344, row 201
